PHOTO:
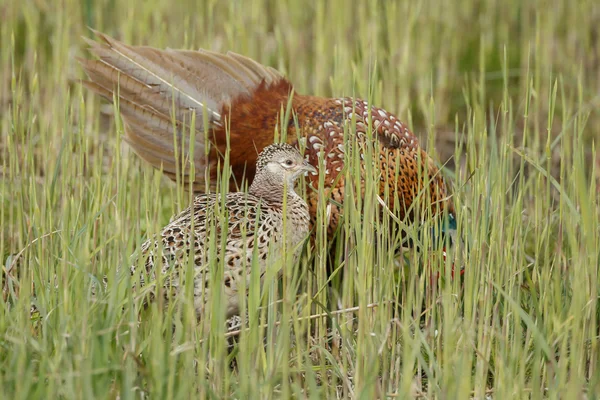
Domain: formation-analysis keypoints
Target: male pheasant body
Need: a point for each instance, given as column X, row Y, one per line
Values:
column 405, row 169
column 250, row 224
column 232, row 94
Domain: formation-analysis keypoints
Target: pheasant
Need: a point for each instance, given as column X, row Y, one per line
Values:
column 159, row 91
column 255, row 228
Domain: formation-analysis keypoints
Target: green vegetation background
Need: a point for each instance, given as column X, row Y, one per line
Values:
column 505, row 94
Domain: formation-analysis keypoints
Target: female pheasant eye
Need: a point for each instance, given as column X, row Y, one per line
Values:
column 289, row 163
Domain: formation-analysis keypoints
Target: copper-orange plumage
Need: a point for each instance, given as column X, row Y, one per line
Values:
column 230, row 92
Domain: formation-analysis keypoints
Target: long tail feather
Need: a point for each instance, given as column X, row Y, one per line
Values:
column 160, row 90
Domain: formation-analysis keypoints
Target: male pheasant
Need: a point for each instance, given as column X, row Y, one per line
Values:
column 159, row 90
column 255, row 227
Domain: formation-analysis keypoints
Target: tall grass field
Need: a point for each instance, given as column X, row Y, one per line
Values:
column 503, row 94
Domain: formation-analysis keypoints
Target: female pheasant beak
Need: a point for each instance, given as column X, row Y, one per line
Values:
column 305, row 166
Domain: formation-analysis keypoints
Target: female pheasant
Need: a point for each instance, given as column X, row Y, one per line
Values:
column 160, row 90
column 255, row 227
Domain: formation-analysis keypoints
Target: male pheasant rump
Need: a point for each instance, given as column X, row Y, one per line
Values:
column 255, row 227
column 159, row 90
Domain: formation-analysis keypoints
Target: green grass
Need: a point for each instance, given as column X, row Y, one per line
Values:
column 507, row 91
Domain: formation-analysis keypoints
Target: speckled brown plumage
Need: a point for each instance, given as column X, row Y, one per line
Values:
column 235, row 93
column 253, row 225
column 404, row 167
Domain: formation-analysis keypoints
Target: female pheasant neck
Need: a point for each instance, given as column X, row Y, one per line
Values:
column 271, row 187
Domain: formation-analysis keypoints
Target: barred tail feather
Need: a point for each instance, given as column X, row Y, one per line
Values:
column 160, row 90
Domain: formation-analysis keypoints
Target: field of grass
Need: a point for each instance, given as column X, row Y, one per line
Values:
column 505, row 94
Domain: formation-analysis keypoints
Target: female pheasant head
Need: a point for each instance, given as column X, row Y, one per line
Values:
column 278, row 166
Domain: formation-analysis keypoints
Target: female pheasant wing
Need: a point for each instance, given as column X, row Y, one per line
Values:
column 166, row 95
